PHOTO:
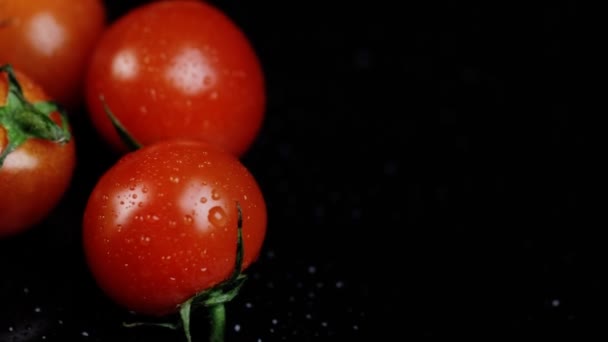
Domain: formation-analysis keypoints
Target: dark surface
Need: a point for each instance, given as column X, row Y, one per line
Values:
column 427, row 173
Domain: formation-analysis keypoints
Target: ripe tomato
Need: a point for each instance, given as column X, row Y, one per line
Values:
column 177, row 69
column 51, row 41
column 161, row 224
column 35, row 175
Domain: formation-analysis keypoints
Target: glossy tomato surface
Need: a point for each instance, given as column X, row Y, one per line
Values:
column 161, row 224
column 34, row 177
column 51, row 41
column 177, row 69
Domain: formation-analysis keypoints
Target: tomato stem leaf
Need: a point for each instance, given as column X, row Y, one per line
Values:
column 218, row 323
column 184, row 313
column 23, row 120
column 123, row 133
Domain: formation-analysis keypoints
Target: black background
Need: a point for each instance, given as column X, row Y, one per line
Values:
column 428, row 173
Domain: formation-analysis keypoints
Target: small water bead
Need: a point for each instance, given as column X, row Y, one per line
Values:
column 217, row 217
column 188, row 219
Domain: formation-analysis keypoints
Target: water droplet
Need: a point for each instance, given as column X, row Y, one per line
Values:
column 145, row 240
column 214, row 95
column 140, row 204
column 203, row 199
column 174, row 179
column 122, row 202
column 105, row 197
column 172, row 223
column 217, row 217
column 144, row 190
column 215, row 195
column 207, row 80
column 134, row 196
column 132, row 187
column 188, row 219
column 204, row 269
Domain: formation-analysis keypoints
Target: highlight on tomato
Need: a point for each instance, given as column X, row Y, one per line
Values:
column 37, row 152
column 51, row 41
column 177, row 69
column 171, row 226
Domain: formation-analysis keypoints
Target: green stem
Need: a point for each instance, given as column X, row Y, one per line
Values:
column 218, row 322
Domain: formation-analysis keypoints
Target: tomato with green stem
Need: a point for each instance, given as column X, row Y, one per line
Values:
column 161, row 227
column 37, row 153
column 51, row 41
column 177, row 69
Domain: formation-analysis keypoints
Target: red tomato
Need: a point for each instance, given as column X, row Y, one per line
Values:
column 35, row 175
column 177, row 69
column 51, row 41
column 161, row 224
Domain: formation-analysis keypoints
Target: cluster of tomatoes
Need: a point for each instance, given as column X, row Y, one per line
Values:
column 177, row 90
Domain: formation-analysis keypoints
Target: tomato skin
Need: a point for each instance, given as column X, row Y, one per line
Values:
column 34, row 177
column 161, row 224
column 51, row 41
column 177, row 69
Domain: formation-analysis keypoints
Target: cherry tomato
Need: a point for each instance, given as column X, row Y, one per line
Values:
column 161, row 224
column 177, row 69
column 37, row 172
column 51, row 41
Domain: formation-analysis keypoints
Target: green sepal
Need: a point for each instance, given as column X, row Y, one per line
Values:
column 23, row 120
column 123, row 133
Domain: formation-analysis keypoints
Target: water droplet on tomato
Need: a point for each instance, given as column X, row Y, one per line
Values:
column 188, row 219
column 174, row 179
column 214, row 95
column 203, row 199
column 134, row 196
column 105, row 198
column 215, row 195
column 140, row 204
column 207, row 80
column 144, row 190
column 172, row 223
column 132, row 187
column 122, row 202
column 152, row 218
column 217, row 217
